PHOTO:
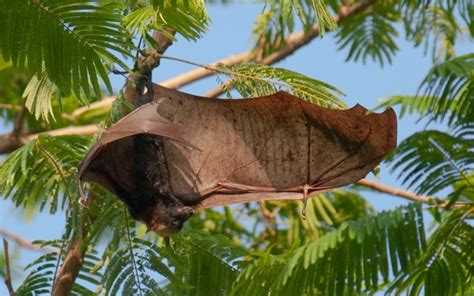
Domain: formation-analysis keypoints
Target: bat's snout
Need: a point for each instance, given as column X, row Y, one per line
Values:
column 169, row 220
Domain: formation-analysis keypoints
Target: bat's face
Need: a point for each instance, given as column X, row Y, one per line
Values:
column 166, row 220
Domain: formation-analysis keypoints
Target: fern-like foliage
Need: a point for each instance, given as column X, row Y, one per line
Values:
column 73, row 41
column 39, row 88
column 453, row 82
column 430, row 161
column 188, row 18
column 44, row 269
column 370, row 35
column 207, row 265
column 430, row 23
column 252, row 80
column 278, row 19
column 323, row 213
column 447, row 93
column 445, row 267
column 358, row 256
column 132, row 270
column 40, row 279
column 43, row 172
column 195, row 264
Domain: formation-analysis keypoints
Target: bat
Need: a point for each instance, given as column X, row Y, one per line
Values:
column 181, row 153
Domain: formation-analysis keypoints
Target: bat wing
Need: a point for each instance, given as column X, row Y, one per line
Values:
column 342, row 147
column 266, row 148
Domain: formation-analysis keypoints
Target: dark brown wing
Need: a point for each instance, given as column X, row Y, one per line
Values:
column 109, row 161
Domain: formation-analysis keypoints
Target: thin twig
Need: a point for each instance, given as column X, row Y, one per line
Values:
column 10, row 106
column 200, row 73
column 268, row 218
column 23, row 242
column 8, row 276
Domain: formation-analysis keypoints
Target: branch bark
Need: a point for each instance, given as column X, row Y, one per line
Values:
column 83, row 130
column 9, row 143
column 69, row 271
column 8, row 277
column 138, row 89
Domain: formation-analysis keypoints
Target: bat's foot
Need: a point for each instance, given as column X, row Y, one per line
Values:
column 305, row 200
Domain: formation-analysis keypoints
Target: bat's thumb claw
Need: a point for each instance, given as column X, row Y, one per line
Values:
column 303, row 213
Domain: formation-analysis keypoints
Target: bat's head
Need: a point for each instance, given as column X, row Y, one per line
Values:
column 166, row 220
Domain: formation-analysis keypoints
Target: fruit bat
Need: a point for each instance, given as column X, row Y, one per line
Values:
column 181, row 152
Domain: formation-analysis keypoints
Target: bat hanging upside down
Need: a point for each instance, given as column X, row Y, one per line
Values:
column 182, row 152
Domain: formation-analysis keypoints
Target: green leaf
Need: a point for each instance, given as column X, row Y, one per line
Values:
column 65, row 43
column 278, row 19
column 43, row 172
column 188, row 18
column 447, row 94
column 39, row 93
column 370, row 35
column 430, row 161
column 252, row 80
column 448, row 259
column 356, row 252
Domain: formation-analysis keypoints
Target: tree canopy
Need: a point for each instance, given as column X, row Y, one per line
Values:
column 57, row 58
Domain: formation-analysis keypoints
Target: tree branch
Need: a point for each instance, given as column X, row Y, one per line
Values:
column 70, row 268
column 23, row 242
column 408, row 195
column 8, row 276
column 83, row 130
column 297, row 40
column 138, row 89
column 9, row 143
column 200, row 73
column 105, row 102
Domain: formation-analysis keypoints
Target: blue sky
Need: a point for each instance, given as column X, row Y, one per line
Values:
column 230, row 33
